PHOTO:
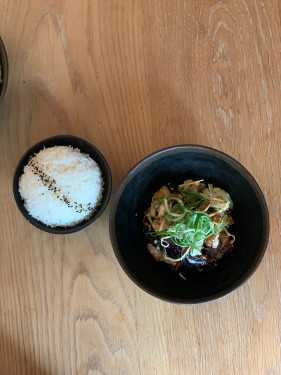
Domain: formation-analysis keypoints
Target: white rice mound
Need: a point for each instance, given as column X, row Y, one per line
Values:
column 61, row 186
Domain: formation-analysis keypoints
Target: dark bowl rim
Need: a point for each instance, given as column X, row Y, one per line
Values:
column 233, row 163
column 4, row 58
column 82, row 225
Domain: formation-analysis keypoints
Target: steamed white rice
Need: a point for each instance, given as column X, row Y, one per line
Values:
column 61, row 186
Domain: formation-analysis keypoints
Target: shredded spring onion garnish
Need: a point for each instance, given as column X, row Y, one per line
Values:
column 189, row 229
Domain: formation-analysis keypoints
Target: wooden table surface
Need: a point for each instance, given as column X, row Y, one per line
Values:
column 132, row 77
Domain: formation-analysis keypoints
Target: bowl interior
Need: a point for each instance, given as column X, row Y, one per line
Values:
column 85, row 147
column 4, row 67
column 250, row 228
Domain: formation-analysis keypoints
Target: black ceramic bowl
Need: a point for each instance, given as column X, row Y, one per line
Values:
column 86, row 148
column 4, row 69
column 175, row 165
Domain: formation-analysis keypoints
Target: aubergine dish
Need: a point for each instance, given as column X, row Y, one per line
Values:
column 187, row 226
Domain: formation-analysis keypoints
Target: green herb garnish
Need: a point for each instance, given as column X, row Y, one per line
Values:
column 190, row 231
column 194, row 194
column 193, row 199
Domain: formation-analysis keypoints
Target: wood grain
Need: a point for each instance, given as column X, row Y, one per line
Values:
column 133, row 77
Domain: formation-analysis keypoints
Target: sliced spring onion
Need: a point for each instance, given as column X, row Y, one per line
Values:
column 191, row 231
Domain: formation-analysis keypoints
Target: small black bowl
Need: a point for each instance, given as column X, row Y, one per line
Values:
column 86, row 148
column 174, row 165
column 5, row 70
